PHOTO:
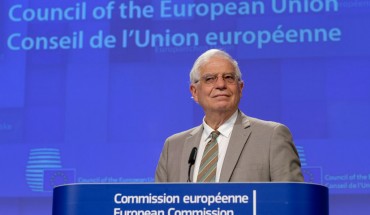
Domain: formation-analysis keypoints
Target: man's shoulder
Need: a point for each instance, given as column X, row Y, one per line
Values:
column 265, row 127
column 185, row 134
column 261, row 123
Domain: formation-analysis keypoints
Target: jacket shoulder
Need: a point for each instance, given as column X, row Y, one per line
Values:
column 259, row 123
column 184, row 134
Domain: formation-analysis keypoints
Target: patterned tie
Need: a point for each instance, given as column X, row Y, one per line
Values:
column 208, row 165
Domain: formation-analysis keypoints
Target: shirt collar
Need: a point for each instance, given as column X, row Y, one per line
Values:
column 225, row 129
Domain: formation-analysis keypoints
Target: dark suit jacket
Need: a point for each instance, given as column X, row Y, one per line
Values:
column 258, row 151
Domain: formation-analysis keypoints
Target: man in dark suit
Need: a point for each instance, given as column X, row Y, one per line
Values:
column 232, row 147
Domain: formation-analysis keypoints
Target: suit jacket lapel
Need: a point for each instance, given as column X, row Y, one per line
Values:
column 192, row 141
column 238, row 140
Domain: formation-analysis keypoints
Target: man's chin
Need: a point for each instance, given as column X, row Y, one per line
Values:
column 220, row 106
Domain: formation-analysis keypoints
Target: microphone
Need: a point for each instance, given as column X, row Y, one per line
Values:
column 192, row 157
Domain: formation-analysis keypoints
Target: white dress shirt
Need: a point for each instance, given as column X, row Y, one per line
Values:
column 223, row 141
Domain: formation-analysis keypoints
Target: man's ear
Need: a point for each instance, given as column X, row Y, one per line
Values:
column 241, row 86
column 193, row 91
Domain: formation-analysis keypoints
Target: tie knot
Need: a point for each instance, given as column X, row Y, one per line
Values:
column 215, row 134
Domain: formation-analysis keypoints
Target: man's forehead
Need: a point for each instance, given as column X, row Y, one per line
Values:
column 217, row 67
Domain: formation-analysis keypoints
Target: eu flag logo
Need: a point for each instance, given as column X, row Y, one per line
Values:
column 312, row 174
column 55, row 177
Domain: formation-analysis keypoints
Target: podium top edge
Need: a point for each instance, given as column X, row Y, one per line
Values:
column 184, row 183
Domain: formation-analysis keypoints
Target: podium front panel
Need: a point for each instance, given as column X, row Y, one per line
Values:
column 191, row 199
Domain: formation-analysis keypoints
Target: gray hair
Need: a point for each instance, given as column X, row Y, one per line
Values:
column 205, row 57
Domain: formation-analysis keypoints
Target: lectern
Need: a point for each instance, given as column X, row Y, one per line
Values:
column 191, row 199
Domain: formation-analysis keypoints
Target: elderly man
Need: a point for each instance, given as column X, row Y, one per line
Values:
column 228, row 146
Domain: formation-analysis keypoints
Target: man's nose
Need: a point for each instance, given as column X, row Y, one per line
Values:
column 220, row 82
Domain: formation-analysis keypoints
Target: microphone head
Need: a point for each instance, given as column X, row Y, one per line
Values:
column 193, row 156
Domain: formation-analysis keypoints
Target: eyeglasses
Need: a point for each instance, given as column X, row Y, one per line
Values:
column 229, row 78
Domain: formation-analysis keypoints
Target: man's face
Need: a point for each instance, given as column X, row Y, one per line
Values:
column 221, row 95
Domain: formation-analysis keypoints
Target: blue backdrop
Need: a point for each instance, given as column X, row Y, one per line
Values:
column 89, row 90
